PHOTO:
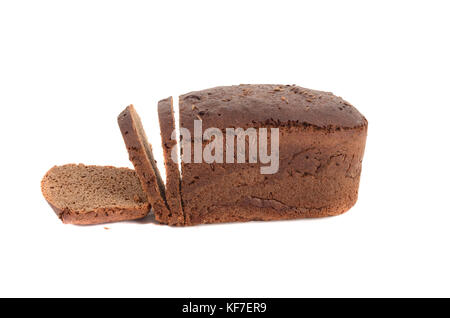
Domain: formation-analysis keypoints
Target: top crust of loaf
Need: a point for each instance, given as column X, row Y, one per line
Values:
column 141, row 155
column 275, row 105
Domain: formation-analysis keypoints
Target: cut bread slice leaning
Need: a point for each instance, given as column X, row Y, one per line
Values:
column 169, row 144
column 81, row 194
column 141, row 155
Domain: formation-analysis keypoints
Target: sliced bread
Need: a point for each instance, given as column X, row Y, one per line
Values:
column 81, row 194
column 173, row 179
column 141, row 155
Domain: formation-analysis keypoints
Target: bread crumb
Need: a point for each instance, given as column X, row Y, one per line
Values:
column 106, row 228
column 246, row 92
column 136, row 198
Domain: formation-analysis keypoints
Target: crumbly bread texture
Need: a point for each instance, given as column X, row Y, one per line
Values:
column 173, row 180
column 82, row 194
column 321, row 146
column 141, row 155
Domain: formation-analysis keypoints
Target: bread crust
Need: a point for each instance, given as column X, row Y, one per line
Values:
column 99, row 216
column 268, row 105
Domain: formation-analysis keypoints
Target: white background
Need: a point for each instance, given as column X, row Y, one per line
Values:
column 67, row 68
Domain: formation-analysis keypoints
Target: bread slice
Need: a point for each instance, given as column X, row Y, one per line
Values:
column 141, row 155
column 82, row 194
column 173, row 179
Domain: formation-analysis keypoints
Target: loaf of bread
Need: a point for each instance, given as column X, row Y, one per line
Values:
column 294, row 153
column 321, row 146
column 82, row 194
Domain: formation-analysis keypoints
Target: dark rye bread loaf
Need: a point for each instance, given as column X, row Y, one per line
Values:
column 173, row 180
column 141, row 155
column 321, row 146
column 82, row 194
